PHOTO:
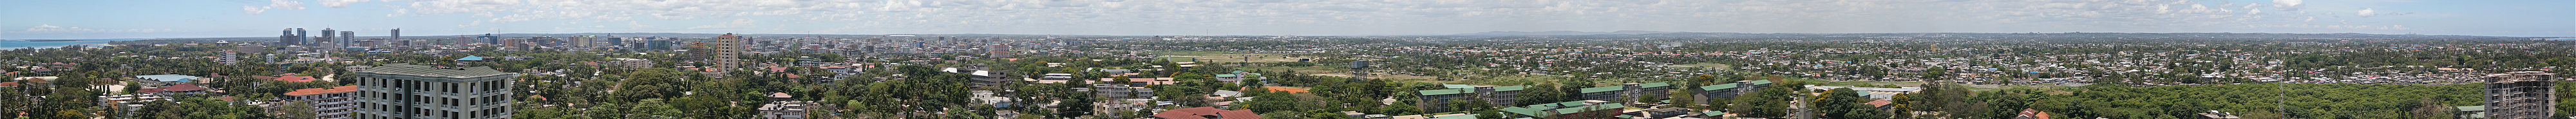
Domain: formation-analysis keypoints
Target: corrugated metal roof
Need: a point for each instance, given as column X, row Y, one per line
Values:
column 1603, row 89
column 1727, row 86
column 1653, row 85
column 1510, row 88
column 1442, row 91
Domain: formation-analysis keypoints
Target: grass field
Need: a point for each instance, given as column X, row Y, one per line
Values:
column 1216, row 57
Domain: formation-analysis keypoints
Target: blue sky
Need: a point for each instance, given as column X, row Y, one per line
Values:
column 74, row 19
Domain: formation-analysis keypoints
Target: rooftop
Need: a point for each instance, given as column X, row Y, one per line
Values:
column 311, row 91
column 168, row 77
column 434, row 71
column 1603, row 89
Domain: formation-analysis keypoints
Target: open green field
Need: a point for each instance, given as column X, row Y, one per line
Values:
column 1219, row 57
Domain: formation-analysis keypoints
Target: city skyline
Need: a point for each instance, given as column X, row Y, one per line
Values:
column 370, row 18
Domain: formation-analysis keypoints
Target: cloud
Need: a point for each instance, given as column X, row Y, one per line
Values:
column 275, row 4
column 737, row 23
column 2366, row 12
column 340, row 3
column 50, row 28
column 2287, row 5
column 254, row 9
column 286, row 4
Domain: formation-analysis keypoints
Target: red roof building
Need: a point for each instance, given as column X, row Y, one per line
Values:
column 2027, row 113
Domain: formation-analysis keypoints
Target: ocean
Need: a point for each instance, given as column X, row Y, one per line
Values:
column 24, row 44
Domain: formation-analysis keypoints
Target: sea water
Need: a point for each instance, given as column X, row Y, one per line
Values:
column 24, row 44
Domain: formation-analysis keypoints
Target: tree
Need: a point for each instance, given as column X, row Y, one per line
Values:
column 2431, row 109
column 1770, row 102
column 1489, row 114
column 1844, row 103
column 299, row 110
column 1400, row 108
column 1541, row 93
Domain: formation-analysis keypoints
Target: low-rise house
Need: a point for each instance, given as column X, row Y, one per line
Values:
column 785, row 110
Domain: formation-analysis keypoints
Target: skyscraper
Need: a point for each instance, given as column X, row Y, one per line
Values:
column 327, row 41
column 488, row 38
column 288, row 37
column 302, row 38
column 401, row 91
column 396, row 33
column 2521, row 95
column 348, row 38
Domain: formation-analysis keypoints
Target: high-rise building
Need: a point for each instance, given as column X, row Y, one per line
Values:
column 2521, row 95
column 489, row 39
column 327, row 35
column 348, row 38
column 726, row 47
column 348, row 35
column 288, row 37
column 401, row 91
column 302, row 38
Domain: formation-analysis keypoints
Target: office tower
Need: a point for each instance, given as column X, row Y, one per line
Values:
column 402, row 91
column 288, row 37
column 2521, row 95
column 327, row 34
column 396, row 33
column 488, row 38
column 302, row 38
column 349, row 35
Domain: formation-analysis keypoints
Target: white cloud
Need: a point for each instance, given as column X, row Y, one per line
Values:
column 737, row 23
column 286, row 4
column 2287, row 5
column 254, row 9
column 274, row 4
column 2366, row 12
column 50, row 28
column 340, row 3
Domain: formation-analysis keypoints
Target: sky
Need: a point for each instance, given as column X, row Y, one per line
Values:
column 87, row 19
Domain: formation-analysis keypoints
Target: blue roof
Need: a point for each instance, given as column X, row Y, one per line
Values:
column 469, row 57
column 168, row 77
